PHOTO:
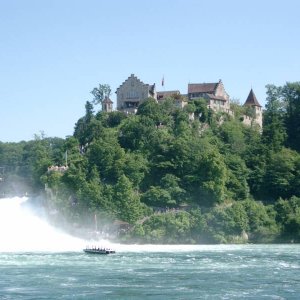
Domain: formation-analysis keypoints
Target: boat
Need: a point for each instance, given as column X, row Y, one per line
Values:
column 95, row 250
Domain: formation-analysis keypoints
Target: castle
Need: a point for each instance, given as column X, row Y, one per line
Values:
column 132, row 92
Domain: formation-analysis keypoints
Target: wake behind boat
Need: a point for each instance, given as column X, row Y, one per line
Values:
column 101, row 250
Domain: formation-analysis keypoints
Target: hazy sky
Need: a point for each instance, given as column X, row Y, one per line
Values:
column 53, row 53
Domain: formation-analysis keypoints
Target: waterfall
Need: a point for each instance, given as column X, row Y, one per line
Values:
column 22, row 230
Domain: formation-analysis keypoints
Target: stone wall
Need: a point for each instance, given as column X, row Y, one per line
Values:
column 131, row 93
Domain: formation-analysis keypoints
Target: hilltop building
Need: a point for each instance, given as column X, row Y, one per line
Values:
column 214, row 93
column 132, row 92
column 107, row 105
column 180, row 100
column 165, row 94
column 252, row 102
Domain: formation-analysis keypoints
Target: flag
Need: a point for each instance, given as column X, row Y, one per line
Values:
column 163, row 81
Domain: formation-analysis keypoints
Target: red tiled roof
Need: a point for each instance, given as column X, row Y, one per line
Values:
column 251, row 100
column 165, row 94
column 202, row 87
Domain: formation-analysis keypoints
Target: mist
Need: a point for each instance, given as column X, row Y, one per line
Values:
column 23, row 230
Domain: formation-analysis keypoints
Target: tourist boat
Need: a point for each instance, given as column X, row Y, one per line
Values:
column 95, row 250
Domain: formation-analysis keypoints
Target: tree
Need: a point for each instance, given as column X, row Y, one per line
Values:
column 171, row 227
column 149, row 108
column 136, row 132
column 157, row 197
column 274, row 131
column 255, row 158
column 232, row 134
column 226, row 223
column 261, row 220
column 282, row 173
column 115, row 118
column 136, row 167
column 37, row 157
column 291, row 95
column 127, row 201
column 99, row 93
column 81, row 131
column 237, row 184
column 89, row 111
column 201, row 110
column 288, row 215
column 108, row 156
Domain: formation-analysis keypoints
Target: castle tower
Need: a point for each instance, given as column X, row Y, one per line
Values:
column 252, row 102
column 132, row 92
column 107, row 105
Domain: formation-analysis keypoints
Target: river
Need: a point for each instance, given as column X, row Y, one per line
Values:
column 55, row 267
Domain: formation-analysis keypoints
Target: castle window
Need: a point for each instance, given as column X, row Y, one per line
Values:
column 132, row 95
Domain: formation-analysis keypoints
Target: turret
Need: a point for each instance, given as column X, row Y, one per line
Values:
column 107, row 105
column 254, row 104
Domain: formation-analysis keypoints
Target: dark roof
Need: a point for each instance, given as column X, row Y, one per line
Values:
column 151, row 88
column 165, row 94
column 107, row 100
column 251, row 100
column 168, row 92
column 213, row 97
column 202, row 87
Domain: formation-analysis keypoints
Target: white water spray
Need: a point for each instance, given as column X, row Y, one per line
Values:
column 21, row 230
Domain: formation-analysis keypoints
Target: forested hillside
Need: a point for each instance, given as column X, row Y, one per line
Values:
column 169, row 178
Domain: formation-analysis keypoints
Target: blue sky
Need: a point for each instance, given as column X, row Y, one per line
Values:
column 53, row 53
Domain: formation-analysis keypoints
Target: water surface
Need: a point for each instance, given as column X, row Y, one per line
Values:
column 154, row 272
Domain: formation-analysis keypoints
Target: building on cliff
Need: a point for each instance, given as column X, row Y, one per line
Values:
column 252, row 103
column 132, row 92
column 215, row 94
column 107, row 105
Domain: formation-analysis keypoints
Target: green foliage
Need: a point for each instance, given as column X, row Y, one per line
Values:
column 150, row 108
column 201, row 110
column 291, row 95
column 99, row 93
column 274, row 131
column 174, row 179
column 111, row 119
column 237, row 184
column 288, row 214
column 262, row 224
column 135, row 132
column 226, row 222
column 232, row 135
column 255, row 158
column 127, row 201
column 282, row 174
column 107, row 155
column 168, row 228
column 157, row 197
column 135, row 167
